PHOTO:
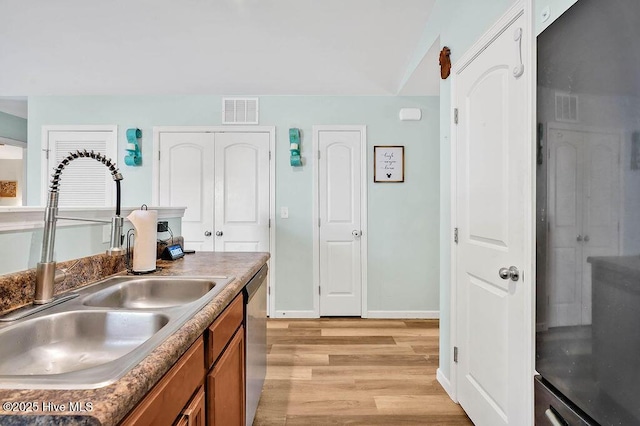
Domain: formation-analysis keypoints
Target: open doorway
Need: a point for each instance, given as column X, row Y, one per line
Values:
column 13, row 151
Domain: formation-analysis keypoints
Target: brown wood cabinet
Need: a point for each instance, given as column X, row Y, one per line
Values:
column 194, row 414
column 187, row 395
column 165, row 402
column 225, row 386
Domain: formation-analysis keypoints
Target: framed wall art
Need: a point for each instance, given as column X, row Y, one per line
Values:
column 388, row 163
column 8, row 188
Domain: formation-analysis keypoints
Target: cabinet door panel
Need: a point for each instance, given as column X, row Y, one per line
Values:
column 225, row 386
column 165, row 401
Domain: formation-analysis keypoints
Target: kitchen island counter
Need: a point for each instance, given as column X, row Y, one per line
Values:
column 110, row 404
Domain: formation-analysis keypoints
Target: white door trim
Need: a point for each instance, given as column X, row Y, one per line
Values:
column 363, row 212
column 44, row 161
column 529, row 60
column 271, row 130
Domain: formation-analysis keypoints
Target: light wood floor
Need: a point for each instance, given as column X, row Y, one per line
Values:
column 355, row 372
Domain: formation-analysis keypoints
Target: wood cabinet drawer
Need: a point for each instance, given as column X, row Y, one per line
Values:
column 164, row 403
column 194, row 414
column 223, row 329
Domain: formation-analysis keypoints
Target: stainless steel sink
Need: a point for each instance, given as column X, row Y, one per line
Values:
column 72, row 341
column 93, row 340
column 150, row 293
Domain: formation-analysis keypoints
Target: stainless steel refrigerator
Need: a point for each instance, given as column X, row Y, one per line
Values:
column 588, row 216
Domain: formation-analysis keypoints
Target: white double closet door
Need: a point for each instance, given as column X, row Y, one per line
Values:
column 223, row 180
column 584, row 217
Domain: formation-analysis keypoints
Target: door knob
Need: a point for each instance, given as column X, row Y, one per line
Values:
column 586, row 238
column 207, row 233
column 579, row 238
column 356, row 233
column 218, row 233
column 509, row 273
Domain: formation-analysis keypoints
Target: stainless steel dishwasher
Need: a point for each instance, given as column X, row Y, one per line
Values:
column 255, row 293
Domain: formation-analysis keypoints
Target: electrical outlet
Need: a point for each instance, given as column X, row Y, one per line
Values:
column 284, row 212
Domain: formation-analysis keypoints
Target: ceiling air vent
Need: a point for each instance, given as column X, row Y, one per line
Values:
column 566, row 107
column 240, row 110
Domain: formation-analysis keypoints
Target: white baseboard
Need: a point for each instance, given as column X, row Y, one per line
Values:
column 404, row 314
column 295, row 314
column 446, row 384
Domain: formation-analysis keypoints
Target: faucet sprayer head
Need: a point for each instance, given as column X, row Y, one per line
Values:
column 55, row 178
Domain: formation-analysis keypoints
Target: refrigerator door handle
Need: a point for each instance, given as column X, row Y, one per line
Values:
column 553, row 418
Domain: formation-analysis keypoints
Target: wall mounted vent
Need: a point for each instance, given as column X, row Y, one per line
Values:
column 566, row 107
column 240, row 110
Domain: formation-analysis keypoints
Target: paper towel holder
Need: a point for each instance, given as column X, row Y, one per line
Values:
column 129, row 258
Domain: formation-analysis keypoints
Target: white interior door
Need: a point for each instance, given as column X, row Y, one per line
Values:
column 492, row 185
column 186, row 180
column 242, row 192
column 601, row 228
column 339, row 195
column 565, row 204
column 584, row 186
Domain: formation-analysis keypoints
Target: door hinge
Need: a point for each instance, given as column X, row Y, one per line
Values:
column 455, row 354
column 319, row 291
column 269, row 290
column 455, row 115
column 46, row 153
column 318, row 222
column 269, row 223
column 318, row 154
column 269, row 155
column 455, row 235
column 158, row 155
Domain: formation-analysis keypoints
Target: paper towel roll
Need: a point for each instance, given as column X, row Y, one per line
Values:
column 144, row 246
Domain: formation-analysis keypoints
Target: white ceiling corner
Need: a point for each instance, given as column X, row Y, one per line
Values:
column 425, row 79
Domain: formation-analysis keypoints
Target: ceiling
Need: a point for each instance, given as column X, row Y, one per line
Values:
column 230, row 47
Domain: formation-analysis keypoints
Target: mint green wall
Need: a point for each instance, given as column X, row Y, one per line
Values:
column 403, row 230
column 403, row 218
column 13, row 127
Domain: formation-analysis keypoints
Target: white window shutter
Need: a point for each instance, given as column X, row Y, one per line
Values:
column 84, row 182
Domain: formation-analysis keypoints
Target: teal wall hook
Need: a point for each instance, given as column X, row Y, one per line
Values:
column 134, row 156
column 294, row 147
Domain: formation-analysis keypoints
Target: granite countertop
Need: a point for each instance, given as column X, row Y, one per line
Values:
column 111, row 403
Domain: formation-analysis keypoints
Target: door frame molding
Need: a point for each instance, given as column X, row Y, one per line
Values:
column 522, row 7
column 271, row 130
column 363, row 212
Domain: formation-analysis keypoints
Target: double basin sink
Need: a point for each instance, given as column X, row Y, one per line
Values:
column 94, row 339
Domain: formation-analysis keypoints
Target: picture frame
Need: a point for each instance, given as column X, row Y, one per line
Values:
column 388, row 163
column 8, row 188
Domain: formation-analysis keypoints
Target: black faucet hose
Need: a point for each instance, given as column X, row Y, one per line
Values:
column 117, row 198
